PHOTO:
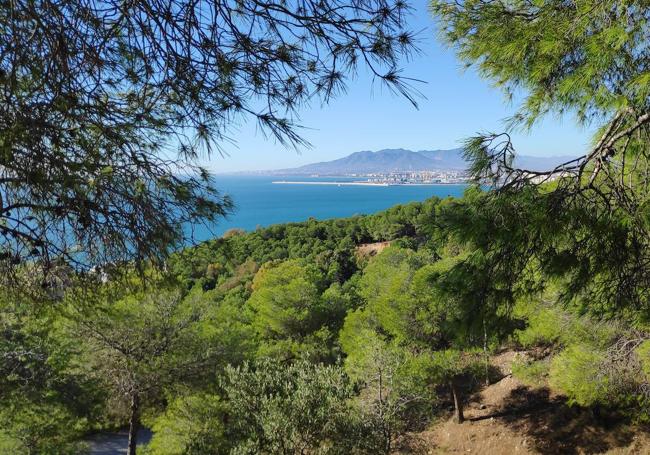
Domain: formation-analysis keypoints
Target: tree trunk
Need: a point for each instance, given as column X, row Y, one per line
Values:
column 458, row 404
column 485, row 354
column 134, row 423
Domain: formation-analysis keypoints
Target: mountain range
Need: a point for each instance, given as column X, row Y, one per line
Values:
column 397, row 160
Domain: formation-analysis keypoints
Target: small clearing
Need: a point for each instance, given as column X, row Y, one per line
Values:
column 371, row 249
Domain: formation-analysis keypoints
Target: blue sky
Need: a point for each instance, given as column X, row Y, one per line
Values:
column 369, row 117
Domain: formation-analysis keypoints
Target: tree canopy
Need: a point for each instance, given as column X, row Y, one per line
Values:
column 589, row 58
column 585, row 220
column 307, row 337
column 105, row 108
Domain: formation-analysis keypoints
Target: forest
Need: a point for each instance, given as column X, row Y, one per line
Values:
column 299, row 338
column 339, row 336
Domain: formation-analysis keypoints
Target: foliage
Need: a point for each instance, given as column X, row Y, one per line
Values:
column 166, row 341
column 408, row 326
column 643, row 351
column 396, row 393
column 289, row 315
column 43, row 426
column 191, row 425
column 285, row 296
column 588, row 56
column 144, row 340
column 550, row 324
column 586, row 220
column 290, row 409
column 408, row 340
column 288, row 339
column 593, row 362
column 544, row 323
column 268, row 407
column 331, row 244
column 106, row 108
column 531, row 372
column 143, row 343
column 46, row 402
column 576, row 371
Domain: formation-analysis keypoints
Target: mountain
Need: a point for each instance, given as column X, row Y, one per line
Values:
column 388, row 160
column 395, row 160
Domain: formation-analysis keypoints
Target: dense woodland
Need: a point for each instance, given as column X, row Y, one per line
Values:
column 305, row 338
column 291, row 338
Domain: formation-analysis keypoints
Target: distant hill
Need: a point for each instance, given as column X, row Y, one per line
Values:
column 396, row 160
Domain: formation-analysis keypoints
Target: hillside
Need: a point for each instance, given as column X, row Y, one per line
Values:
column 359, row 334
column 510, row 416
column 398, row 160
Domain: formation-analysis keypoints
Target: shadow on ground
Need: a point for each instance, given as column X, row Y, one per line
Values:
column 557, row 428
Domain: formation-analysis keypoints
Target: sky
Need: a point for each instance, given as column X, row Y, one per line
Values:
column 457, row 105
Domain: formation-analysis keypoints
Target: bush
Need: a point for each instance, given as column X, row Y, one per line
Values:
column 28, row 427
column 532, row 373
column 544, row 325
column 267, row 407
column 279, row 408
column 191, row 425
column 576, row 371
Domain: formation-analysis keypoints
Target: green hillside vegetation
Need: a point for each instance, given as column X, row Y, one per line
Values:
column 286, row 339
column 292, row 339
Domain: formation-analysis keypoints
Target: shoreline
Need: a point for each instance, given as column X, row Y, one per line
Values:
column 285, row 182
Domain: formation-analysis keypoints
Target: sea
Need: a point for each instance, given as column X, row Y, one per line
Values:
column 259, row 202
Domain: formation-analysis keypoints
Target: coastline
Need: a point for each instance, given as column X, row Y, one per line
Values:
column 285, row 182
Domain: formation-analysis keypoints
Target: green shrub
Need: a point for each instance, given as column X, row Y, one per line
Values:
column 301, row 408
column 576, row 371
column 39, row 428
column 532, row 373
column 191, row 425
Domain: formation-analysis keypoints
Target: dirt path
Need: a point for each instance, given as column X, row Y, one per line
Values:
column 509, row 417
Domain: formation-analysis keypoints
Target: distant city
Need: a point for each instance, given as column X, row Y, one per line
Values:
column 436, row 177
column 403, row 167
column 428, row 177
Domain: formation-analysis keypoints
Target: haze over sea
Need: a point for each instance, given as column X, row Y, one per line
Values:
column 260, row 202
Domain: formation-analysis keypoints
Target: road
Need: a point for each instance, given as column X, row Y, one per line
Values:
column 114, row 443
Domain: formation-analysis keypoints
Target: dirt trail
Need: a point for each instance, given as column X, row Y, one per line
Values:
column 509, row 417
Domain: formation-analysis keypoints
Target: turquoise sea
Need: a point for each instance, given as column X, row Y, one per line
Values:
column 259, row 202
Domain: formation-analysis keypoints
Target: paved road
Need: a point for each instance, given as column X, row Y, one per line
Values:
column 114, row 443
